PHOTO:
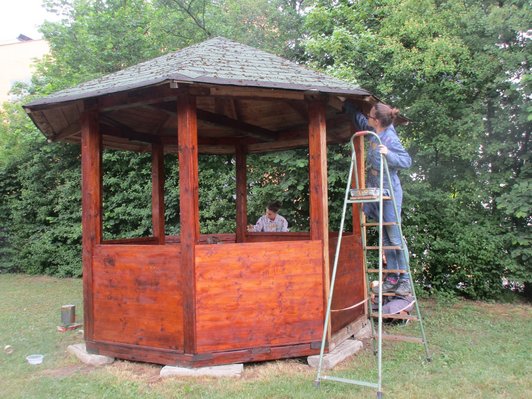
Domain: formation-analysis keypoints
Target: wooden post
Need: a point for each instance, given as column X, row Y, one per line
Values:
column 157, row 192
column 319, row 214
column 91, row 186
column 241, row 193
column 187, row 135
column 357, row 208
column 359, row 149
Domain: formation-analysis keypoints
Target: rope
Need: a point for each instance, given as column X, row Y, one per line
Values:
column 350, row 307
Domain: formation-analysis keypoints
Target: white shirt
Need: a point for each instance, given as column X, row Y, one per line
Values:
column 266, row 224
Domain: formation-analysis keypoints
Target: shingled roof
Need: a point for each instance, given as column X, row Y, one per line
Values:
column 215, row 61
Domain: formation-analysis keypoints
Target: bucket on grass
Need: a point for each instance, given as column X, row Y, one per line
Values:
column 68, row 314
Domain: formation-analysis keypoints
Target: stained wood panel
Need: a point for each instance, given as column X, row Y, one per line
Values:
column 350, row 280
column 258, row 295
column 157, row 192
column 273, row 237
column 241, row 193
column 91, row 218
column 187, row 135
column 137, row 295
column 319, row 212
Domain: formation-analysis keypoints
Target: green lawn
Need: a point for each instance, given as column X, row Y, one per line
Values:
column 481, row 350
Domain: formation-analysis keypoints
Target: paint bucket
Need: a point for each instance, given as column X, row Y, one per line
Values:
column 68, row 314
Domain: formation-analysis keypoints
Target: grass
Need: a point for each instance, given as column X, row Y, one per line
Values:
column 480, row 350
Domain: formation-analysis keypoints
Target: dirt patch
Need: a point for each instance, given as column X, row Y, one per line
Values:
column 142, row 372
column 265, row 370
column 67, row 371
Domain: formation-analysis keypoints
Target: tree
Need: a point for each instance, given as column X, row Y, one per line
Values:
column 93, row 38
column 460, row 71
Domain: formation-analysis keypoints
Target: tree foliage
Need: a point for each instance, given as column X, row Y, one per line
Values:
column 459, row 69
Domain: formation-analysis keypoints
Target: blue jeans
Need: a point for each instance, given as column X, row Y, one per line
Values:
column 395, row 258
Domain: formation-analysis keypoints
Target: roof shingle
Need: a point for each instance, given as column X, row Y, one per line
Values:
column 215, row 61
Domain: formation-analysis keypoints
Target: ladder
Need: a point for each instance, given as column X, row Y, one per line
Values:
column 361, row 195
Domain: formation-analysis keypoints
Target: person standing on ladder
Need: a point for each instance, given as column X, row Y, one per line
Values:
column 380, row 120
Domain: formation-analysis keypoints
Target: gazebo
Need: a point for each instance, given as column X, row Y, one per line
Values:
column 179, row 299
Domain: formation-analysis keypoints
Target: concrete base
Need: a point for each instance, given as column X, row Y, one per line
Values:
column 80, row 351
column 364, row 332
column 341, row 352
column 228, row 370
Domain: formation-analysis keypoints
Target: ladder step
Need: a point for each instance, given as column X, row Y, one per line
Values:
column 385, row 247
column 403, row 338
column 375, row 224
column 396, row 316
column 367, row 199
column 388, row 271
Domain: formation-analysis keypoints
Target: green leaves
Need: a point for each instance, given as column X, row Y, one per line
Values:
column 459, row 71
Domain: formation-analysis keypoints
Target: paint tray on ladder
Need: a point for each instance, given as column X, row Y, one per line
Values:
column 368, row 193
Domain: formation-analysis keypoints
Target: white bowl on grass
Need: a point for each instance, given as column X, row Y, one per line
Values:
column 34, row 359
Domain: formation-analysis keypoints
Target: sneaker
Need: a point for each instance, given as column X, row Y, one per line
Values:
column 389, row 285
column 403, row 288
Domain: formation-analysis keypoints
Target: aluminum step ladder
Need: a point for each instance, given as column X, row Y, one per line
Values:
column 361, row 195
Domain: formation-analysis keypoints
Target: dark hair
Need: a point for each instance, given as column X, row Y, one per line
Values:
column 274, row 206
column 385, row 114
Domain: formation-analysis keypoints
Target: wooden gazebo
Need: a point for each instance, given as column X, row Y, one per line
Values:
column 179, row 300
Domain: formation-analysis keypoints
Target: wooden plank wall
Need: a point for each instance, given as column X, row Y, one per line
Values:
column 273, row 237
column 350, row 280
column 257, row 295
column 138, row 295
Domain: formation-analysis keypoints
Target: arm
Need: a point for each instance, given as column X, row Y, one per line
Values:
column 284, row 226
column 258, row 227
column 397, row 157
column 358, row 118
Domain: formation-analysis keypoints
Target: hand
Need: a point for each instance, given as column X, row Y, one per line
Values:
column 251, row 228
column 383, row 149
column 349, row 108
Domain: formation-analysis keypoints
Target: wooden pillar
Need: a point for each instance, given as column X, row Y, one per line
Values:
column 187, row 134
column 91, row 186
column 241, row 193
column 157, row 192
column 319, row 214
column 359, row 150
column 357, row 208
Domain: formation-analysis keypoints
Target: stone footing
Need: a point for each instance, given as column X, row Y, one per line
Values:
column 81, row 353
column 347, row 348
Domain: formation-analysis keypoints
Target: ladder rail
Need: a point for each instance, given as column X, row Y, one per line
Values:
column 378, row 336
column 406, row 259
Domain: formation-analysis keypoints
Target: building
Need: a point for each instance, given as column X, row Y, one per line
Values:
column 16, row 59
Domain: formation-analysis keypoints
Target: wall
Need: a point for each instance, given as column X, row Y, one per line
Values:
column 16, row 60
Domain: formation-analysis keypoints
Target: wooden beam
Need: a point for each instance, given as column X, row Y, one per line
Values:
column 243, row 127
column 70, row 130
column 110, row 127
column 319, row 216
column 187, row 132
column 127, row 99
column 241, row 193
column 91, row 185
column 157, row 192
column 256, row 93
column 218, row 118
column 300, row 107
